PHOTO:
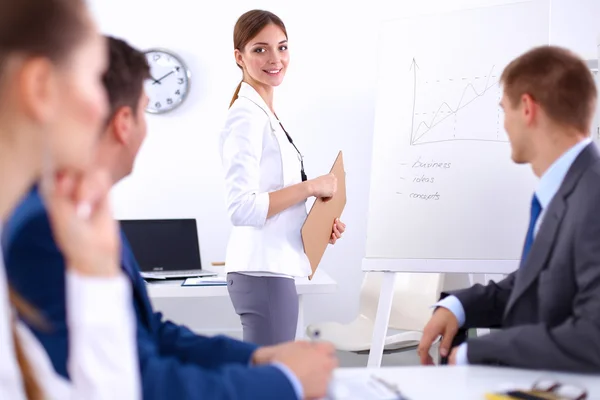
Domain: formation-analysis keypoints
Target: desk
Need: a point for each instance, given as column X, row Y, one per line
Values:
column 391, row 267
column 322, row 283
column 466, row 382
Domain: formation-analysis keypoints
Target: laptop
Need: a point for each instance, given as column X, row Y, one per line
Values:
column 165, row 248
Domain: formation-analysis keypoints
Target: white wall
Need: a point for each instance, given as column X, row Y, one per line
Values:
column 327, row 103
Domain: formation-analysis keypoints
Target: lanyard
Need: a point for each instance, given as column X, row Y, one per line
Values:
column 300, row 156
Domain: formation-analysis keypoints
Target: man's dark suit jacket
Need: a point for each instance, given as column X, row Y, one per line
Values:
column 549, row 309
column 175, row 363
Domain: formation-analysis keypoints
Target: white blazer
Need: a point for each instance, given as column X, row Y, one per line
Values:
column 258, row 158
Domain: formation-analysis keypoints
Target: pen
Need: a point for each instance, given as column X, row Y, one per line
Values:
column 389, row 386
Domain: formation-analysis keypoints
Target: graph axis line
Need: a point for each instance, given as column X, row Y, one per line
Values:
column 461, row 140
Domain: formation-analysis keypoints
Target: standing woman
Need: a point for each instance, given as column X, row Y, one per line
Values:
column 52, row 108
column 266, row 188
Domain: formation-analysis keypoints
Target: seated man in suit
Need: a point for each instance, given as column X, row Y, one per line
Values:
column 175, row 363
column 549, row 308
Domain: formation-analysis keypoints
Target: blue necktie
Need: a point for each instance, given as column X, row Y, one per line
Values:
column 536, row 209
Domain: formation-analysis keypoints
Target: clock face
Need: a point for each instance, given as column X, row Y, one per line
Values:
column 169, row 83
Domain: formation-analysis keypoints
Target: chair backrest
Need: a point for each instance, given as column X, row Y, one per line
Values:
column 414, row 294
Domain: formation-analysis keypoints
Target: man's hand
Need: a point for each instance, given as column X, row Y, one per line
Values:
column 264, row 355
column 444, row 323
column 311, row 362
column 452, row 358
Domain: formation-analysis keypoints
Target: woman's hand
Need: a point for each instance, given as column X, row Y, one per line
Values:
column 324, row 186
column 338, row 229
column 82, row 223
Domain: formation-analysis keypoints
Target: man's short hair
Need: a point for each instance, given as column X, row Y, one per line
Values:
column 124, row 79
column 558, row 80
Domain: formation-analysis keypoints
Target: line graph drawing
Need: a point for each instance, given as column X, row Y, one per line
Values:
column 428, row 126
column 451, row 111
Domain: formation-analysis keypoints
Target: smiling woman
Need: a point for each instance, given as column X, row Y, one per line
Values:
column 258, row 26
column 266, row 188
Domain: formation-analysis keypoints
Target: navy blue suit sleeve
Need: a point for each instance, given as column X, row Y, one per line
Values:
column 176, row 340
column 179, row 341
column 168, row 377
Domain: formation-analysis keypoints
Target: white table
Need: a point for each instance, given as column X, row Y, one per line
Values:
column 468, row 382
column 321, row 283
column 391, row 267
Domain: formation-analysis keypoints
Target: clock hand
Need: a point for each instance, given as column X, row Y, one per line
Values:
column 160, row 79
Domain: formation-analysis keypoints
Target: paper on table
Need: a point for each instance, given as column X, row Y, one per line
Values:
column 362, row 387
column 206, row 281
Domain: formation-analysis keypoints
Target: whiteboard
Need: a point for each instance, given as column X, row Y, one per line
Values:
column 443, row 185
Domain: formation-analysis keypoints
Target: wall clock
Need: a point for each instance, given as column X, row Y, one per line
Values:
column 170, row 81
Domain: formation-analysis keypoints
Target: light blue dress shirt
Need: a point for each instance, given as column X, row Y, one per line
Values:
column 292, row 378
column 547, row 187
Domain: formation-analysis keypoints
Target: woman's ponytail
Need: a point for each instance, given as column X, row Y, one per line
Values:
column 235, row 95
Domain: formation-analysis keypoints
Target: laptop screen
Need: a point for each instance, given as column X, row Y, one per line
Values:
column 163, row 244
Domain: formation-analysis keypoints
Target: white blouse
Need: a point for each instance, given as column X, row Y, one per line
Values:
column 103, row 362
column 257, row 159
